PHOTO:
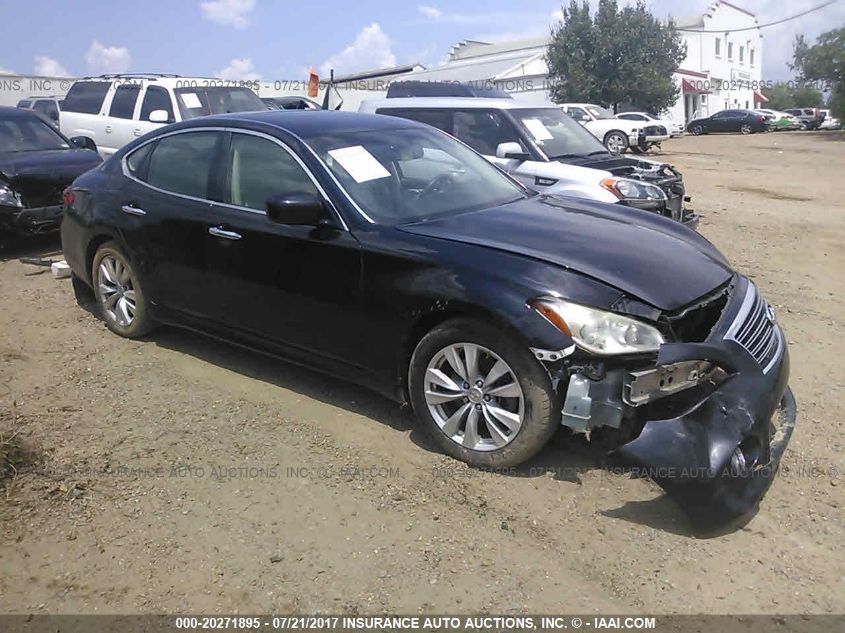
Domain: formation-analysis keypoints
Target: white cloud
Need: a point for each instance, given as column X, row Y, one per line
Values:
column 430, row 12
column 49, row 67
column 228, row 12
column 6, row 71
column 239, row 69
column 371, row 49
column 557, row 16
column 107, row 59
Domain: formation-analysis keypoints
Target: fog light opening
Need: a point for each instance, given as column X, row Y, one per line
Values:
column 745, row 457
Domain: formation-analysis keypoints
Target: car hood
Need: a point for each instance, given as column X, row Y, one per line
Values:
column 33, row 170
column 644, row 255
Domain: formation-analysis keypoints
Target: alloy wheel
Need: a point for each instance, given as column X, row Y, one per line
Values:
column 474, row 397
column 696, row 130
column 116, row 291
column 745, row 129
column 615, row 143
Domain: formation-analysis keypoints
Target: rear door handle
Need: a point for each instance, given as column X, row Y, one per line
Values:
column 132, row 210
column 108, row 129
column 216, row 231
column 137, row 131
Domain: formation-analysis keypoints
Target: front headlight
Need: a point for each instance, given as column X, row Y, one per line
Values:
column 9, row 197
column 597, row 331
column 635, row 191
column 630, row 189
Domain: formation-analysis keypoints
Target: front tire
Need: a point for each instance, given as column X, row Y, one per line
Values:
column 616, row 141
column 120, row 299
column 481, row 395
column 696, row 130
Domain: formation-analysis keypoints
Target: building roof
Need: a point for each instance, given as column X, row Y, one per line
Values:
column 472, row 48
column 697, row 21
column 379, row 73
column 478, row 67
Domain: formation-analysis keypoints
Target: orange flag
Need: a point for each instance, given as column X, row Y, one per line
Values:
column 313, row 83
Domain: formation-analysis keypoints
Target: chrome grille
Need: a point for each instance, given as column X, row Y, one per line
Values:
column 754, row 328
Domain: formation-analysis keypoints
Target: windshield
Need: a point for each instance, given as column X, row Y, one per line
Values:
column 202, row 101
column 600, row 113
column 413, row 174
column 557, row 134
column 28, row 134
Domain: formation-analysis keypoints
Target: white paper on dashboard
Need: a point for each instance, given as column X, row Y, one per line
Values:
column 191, row 100
column 359, row 163
column 539, row 131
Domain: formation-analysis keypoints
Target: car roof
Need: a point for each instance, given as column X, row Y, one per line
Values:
column 168, row 81
column 10, row 112
column 455, row 102
column 310, row 123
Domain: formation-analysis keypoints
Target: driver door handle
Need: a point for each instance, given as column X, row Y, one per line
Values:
column 216, row 231
column 132, row 210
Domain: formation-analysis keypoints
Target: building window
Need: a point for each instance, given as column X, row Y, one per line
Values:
column 751, row 56
column 730, row 50
column 741, row 54
column 718, row 47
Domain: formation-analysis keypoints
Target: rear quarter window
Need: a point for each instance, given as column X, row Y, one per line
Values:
column 86, row 97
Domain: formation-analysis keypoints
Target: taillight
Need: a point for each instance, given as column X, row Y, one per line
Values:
column 762, row 119
column 67, row 196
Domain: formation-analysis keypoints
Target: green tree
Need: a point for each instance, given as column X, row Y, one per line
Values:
column 617, row 56
column 824, row 61
column 788, row 95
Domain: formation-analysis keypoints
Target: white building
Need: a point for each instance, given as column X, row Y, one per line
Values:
column 517, row 67
column 719, row 71
column 722, row 68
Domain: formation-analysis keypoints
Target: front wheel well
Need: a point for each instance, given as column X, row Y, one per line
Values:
column 431, row 320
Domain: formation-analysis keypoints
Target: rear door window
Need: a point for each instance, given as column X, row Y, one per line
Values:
column 48, row 108
column 183, row 163
column 25, row 104
column 123, row 102
column 156, row 98
column 86, row 97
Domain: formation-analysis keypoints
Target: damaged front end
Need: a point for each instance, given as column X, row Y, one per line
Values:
column 37, row 210
column 709, row 416
column 661, row 174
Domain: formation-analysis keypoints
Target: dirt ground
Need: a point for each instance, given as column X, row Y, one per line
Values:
column 178, row 474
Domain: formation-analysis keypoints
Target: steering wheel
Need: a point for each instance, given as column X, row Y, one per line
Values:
column 436, row 185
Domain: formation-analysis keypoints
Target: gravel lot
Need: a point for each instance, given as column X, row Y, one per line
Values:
column 178, row 474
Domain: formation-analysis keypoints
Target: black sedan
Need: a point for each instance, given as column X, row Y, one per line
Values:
column 742, row 121
column 385, row 252
column 37, row 162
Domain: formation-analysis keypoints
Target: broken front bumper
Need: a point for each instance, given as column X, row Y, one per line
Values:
column 716, row 416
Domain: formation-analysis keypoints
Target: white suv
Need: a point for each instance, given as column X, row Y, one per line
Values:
column 113, row 110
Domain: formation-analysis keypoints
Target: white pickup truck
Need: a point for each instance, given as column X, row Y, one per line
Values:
column 616, row 134
column 113, row 110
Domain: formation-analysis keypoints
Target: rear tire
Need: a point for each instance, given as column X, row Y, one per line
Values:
column 745, row 129
column 120, row 299
column 456, row 410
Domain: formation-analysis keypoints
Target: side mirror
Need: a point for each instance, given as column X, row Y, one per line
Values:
column 297, row 208
column 83, row 142
column 159, row 116
column 511, row 149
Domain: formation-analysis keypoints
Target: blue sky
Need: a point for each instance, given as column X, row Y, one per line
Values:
column 280, row 39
